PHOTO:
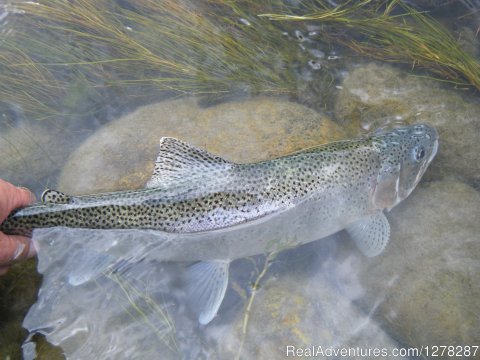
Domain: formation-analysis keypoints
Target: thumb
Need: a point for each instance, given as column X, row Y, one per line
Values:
column 13, row 197
column 14, row 247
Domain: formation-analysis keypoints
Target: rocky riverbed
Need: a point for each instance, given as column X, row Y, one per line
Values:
column 421, row 291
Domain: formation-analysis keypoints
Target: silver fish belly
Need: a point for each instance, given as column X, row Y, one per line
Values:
column 215, row 211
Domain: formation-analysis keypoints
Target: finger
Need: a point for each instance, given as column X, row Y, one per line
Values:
column 15, row 247
column 21, row 196
column 27, row 194
column 13, row 197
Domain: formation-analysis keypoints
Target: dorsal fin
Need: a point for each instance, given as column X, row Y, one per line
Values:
column 178, row 160
column 55, row 197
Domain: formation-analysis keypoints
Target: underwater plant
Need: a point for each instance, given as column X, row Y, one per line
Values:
column 144, row 308
column 163, row 45
column 376, row 29
column 67, row 59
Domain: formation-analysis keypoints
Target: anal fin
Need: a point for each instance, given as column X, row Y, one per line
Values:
column 206, row 286
column 371, row 234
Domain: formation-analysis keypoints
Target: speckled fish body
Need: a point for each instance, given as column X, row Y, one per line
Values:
column 200, row 207
column 293, row 199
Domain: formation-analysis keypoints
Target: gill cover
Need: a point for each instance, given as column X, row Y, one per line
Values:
column 405, row 154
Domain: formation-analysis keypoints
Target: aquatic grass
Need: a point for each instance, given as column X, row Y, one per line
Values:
column 31, row 88
column 255, row 286
column 69, row 59
column 411, row 37
column 141, row 305
column 164, row 45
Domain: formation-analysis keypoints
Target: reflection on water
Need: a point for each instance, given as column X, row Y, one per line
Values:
column 137, row 308
column 108, row 296
column 121, row 312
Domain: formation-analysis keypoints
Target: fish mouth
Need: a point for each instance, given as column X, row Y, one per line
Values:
column 434, row 151
column 424, row 167
column 402, row 188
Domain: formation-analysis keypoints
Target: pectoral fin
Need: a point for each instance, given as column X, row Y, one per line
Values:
column 371, row 234
column 206, row 286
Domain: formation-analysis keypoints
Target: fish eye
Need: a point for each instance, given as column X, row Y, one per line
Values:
column 418, row 152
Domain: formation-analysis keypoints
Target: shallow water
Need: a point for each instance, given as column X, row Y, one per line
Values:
column 106, row 297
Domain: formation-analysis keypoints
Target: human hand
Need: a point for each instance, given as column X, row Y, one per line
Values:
column 13, row 247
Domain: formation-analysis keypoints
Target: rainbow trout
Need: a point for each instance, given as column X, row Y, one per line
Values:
column 214, row 211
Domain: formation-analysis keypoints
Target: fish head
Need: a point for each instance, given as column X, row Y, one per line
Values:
column 405, row 153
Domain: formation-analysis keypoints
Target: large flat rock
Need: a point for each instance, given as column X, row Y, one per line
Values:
column 375, row 94
column 121, row 155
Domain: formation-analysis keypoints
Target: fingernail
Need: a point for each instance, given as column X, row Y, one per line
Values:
column 33, row 198
column 18, row 251
column 32, row 249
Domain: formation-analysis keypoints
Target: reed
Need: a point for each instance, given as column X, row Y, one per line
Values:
column 90, row 52
column 163, row 45
column 141, row 307
column 411, row 37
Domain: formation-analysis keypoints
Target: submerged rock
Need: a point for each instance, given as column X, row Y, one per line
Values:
column 375, row 94
column 425, row 287
column 121, row 155
column 300, row 310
